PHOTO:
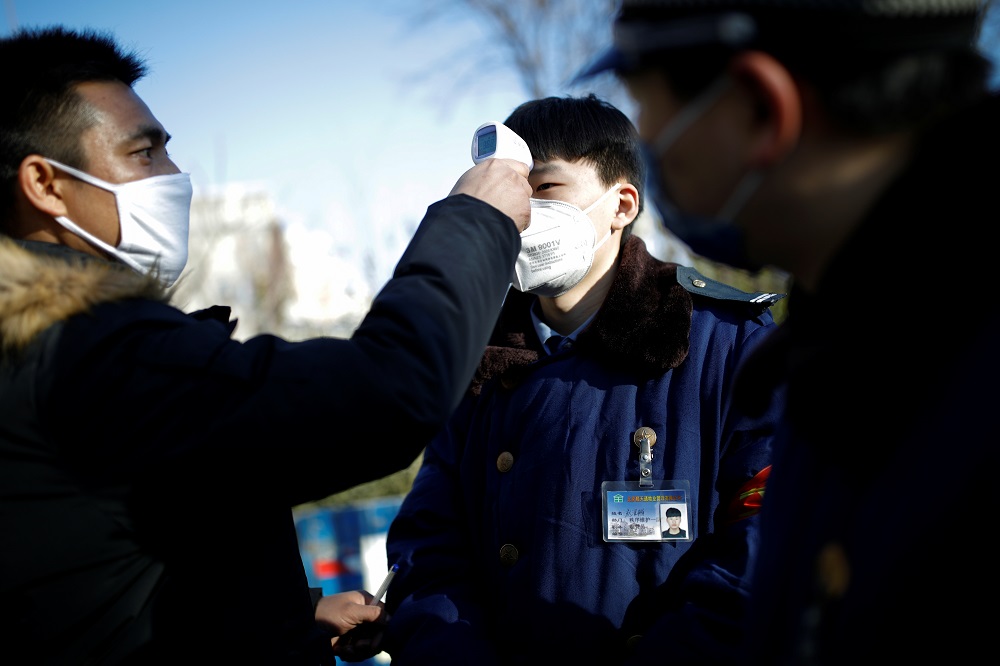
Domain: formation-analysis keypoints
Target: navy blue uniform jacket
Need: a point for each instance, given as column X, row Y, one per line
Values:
column 880, row 510
column 500, row 541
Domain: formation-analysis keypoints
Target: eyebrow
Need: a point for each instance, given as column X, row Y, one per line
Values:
column 546, row 169
column 155, row 134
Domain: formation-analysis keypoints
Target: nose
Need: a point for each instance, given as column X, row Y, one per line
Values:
column 171, row 168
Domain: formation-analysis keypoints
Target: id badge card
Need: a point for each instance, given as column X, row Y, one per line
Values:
column 654, row 511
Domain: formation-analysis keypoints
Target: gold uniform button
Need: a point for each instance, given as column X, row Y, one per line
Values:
column 508, row 555
column 833, row 570
column 505, row 461
column 632, row 642
column 698, row 283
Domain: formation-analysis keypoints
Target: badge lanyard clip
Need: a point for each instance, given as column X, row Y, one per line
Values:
column 645, row 438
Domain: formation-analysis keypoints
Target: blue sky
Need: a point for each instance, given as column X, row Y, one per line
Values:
column 315, row 98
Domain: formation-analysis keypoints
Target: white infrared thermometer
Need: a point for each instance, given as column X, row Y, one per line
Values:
column 495, row 139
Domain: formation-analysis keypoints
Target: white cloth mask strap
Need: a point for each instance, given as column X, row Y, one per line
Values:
column 84, row 176
column 94, row 240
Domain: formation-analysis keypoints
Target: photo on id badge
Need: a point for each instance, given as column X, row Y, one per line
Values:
column 673, row 524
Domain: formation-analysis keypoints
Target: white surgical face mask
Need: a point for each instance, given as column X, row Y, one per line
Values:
column 155, row 216
column 557, row 248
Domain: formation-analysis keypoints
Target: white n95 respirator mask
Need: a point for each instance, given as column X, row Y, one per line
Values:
column 557, row 248
column 155, row 217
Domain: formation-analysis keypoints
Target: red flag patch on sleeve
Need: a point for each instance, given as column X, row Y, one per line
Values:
column 749, row 498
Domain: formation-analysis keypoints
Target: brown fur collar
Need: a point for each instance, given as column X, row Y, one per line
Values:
column 643, row 326
column 42, row 284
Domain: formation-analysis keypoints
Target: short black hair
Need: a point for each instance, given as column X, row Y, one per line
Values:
column 583, row 128
column 672, row 512
column 41, row 112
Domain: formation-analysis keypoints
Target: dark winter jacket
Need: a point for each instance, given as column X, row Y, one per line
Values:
column 149, row 462
column 892, row 434
column 501, row 541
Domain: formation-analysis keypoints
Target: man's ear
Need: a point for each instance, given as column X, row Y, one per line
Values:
column 628, row 206
column 37, row 180
column 779, row 104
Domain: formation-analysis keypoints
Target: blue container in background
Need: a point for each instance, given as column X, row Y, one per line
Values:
column 374, row 517
column 343, row 548
column 329, row 545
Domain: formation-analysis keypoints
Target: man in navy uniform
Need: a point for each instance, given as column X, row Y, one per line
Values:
column 849, row 143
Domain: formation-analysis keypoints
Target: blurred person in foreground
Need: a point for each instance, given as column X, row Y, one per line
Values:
column 149, row 462
column 850, row 143
column 532, row 532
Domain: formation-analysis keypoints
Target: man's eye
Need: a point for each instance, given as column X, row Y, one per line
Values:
column 543, row 186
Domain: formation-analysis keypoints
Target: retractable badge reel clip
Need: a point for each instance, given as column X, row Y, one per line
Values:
column 494, row 139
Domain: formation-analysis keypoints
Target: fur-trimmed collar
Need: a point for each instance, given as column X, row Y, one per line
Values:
column 643, row 325
column 43, row 283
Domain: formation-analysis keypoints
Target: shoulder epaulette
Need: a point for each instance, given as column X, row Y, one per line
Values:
column 696, row 283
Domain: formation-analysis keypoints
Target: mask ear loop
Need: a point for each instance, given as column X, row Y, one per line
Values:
column 744, row 190
column 84, row 176
column 613, row 188
column 690, row 113
column 98, row 243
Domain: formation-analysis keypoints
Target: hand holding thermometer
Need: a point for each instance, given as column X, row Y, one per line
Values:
column 494, row 139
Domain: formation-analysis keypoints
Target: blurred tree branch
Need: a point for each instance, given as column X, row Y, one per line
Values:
column 542, row 44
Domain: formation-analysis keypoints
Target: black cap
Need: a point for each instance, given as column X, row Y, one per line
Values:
column 647, row 27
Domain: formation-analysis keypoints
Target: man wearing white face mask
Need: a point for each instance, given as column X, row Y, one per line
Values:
column 532, row 532
column 127, row 424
